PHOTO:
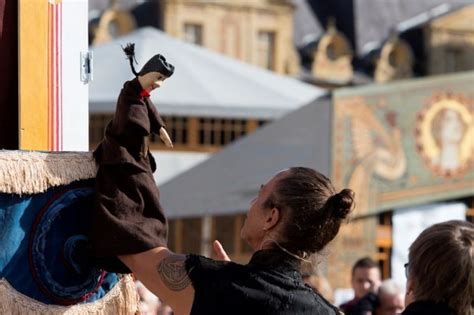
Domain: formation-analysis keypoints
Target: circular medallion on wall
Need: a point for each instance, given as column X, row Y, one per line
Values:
column 445, row 134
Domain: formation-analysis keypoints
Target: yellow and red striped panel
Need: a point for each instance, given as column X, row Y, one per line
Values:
column 40, row 75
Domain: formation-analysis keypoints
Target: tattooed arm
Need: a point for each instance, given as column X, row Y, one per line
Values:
column 163, row 273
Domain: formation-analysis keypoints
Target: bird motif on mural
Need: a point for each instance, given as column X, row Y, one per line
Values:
column 377, row 151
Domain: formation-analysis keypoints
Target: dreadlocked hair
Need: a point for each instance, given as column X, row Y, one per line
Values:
column 130, row 52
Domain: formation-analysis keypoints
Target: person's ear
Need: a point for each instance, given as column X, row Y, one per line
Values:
column 272, row 218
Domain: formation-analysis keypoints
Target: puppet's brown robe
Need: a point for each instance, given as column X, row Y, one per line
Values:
column 128, row 217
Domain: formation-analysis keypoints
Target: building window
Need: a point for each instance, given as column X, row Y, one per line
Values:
column 192, row 236
column 97, row 125
column 454, row 60
column 219, row 132
column 189, row 133
column 193, row 33
column 114, row 28
column 266, row 50
column 224, row 231
column 262, row 123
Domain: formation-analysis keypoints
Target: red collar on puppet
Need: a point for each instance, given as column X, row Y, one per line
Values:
column 144, row 93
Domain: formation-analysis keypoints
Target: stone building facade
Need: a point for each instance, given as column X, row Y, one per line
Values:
column 450, row 42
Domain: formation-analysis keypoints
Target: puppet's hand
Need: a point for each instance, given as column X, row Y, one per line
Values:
column 165, row 137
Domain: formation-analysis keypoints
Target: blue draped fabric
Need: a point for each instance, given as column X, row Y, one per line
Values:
column 44, row 248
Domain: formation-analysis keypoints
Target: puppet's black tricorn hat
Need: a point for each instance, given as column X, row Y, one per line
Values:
column 156, row 64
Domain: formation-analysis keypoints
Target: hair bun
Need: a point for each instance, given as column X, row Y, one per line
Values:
column 341, row 204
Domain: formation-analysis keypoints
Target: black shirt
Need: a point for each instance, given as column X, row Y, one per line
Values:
column 269, row 284
column 427, row 307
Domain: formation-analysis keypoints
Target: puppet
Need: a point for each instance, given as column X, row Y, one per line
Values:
column 49, row 207
column 127, row 198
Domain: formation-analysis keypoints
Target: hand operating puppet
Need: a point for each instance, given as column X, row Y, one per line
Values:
column 128, row 217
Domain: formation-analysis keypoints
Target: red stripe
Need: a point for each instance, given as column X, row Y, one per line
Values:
column 60, row 77
column 53, row 76
column 51, row 126
column 50, row 97
column 56, row 89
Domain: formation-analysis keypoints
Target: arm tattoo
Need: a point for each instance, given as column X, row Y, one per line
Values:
column 173, row 273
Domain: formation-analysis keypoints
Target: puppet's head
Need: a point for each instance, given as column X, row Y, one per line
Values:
column 156, row 64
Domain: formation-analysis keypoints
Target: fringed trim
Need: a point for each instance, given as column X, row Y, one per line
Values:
column 29, row 172
column 123, row 299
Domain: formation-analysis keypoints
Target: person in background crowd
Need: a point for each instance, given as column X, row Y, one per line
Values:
column 165, row 310
column 366, row 278
column 440, row 271
column 391, row 298
column 149, row 303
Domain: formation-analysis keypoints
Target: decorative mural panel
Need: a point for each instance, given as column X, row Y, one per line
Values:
column 405, row 143
column 354, row 241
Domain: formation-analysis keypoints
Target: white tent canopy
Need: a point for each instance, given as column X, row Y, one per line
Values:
column 204, row 83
